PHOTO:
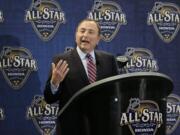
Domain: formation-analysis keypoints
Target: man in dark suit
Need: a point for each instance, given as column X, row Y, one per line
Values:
column 70, row 73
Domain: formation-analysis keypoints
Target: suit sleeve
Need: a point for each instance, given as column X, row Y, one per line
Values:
column 48, row 95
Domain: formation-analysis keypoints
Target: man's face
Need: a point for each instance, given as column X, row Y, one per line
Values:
column 87, row 36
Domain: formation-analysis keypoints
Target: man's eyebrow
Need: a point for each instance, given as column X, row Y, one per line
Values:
column 87, row 29
column 91, row 30
column 82, row 28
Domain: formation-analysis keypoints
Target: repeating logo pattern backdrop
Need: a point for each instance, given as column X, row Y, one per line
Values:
column 33, row 31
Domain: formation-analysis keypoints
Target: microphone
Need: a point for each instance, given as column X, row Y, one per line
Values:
column 122, row 61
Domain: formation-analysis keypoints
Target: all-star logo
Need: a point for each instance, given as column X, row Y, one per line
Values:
column 140, row 59
column 2, row 114
column 110, row 17
column 16, row 64
column 1, row 17
column 142, row 117
column 165, row 17
column 45, row 17
column 43, row 115
column 173, row 113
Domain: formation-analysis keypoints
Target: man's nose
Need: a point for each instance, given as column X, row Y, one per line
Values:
column 85, row 33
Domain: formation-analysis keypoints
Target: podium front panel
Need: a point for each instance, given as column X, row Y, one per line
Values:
column 128, row 104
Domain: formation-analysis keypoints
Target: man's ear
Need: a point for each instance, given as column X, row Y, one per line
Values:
column 100, row 37
column 75, row 36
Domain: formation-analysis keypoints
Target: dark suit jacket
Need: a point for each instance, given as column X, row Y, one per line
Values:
column 85, row 116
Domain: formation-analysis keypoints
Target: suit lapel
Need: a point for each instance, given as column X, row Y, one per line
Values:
column 99, row 65
column 79, row 66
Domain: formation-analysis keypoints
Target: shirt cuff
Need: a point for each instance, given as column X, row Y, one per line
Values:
column 54, row 88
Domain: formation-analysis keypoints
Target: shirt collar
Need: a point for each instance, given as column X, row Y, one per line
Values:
column 83, row 55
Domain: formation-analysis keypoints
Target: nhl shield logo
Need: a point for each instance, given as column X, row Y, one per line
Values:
column 45, row 17
column 43, row 115
column 16, row 64
column 142, row 117
column 173, row 113
column 110, row 17
column 165, row 17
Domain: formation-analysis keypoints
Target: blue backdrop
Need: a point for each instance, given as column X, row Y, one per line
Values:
column 136, row 33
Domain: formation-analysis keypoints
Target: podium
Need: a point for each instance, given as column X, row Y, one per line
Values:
column 138, row 105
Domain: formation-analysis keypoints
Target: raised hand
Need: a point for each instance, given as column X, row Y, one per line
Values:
column 59, row 72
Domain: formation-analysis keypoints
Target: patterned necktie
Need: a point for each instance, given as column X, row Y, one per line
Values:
column 91, row 68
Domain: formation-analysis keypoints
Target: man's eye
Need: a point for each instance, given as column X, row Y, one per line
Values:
column 91, row 32
column 82, row 31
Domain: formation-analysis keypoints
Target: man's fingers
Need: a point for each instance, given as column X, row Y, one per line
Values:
column 65, row 72
column 61, row 69
column 64, row 66
column 59, row 64
column 53, row 66
column 64, row 63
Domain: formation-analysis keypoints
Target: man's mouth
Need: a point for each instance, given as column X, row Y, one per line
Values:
column 84, row 41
